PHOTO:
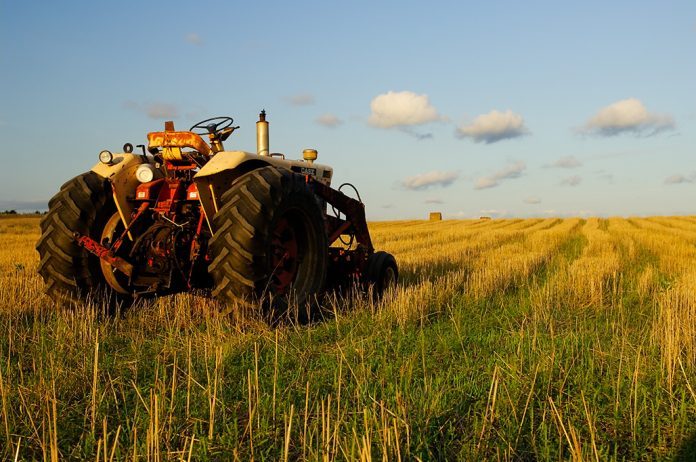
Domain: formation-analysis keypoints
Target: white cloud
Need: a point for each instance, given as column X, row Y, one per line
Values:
column 434, row 201
column 328, row 120
column 494, row 126
column 162, row 111
column 485, row 183
column 532, row 200
column 401, row 109
column 571, row 181
column 513, row 170
column 566, row 162
column 301, row 99
column 678, row 179
column 194, row 39
column 627, row 116
column 426, row 180
column 154, row 110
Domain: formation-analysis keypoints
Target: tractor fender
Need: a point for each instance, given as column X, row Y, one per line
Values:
column 121, row 174
column 218, row 174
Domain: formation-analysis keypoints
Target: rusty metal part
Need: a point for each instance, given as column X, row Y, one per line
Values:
column 103, row 253
column 353, row 209
column 177, row 140
column 114, row 278
column 149, row 191
column 115, row 245
column 169, row 196
column 339, row 229
column 284, row 256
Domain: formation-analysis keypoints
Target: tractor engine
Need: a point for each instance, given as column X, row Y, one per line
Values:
column 171, row 241
column 162, row 255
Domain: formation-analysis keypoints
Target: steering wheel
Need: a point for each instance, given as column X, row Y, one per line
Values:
column 212, row 125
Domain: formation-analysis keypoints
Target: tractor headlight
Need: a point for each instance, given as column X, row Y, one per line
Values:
column 105, row 157
column 145, row 173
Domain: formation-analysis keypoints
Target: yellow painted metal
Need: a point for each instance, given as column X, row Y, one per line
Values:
column 172, row 143
column 310, row 155
column 216, row 175
column 121, row 174
column 262, row 148
column 172, row 154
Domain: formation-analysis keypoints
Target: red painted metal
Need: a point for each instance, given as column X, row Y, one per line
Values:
column 178, row 167
column 339, row 230
column 353, row 209
column 192, row 193
column 117, row 244
column 148, row 191
column 105, row 254
column 283, row 256
column 169, row 195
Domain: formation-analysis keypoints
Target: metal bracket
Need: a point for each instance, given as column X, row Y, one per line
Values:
column 103, row 253
column 353, row 209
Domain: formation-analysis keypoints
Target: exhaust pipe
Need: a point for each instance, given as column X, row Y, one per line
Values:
column 262, row 135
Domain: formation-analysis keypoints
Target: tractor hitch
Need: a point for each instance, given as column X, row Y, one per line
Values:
column 354, row 211
column 103, row 253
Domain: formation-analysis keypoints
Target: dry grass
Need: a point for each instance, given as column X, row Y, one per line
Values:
column 508, row 339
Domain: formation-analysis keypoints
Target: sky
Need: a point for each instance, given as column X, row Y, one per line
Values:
column 502, row 109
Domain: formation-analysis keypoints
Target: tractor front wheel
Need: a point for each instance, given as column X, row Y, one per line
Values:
column 382, row 273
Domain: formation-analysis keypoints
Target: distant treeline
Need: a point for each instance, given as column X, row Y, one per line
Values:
column 14, row 212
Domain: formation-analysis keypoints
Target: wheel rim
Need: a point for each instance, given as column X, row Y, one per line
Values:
column 112, row 230
column 284, row 256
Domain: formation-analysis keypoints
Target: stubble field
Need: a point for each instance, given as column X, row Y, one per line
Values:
column 536, row 339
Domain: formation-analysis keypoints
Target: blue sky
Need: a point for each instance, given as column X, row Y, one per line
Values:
column 469, row 108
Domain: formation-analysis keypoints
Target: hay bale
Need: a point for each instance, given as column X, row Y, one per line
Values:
column 435, row 216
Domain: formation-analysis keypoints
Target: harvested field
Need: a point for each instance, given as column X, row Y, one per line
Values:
column 535, row 339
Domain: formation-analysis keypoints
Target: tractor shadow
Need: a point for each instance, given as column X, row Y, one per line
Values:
column 429, row 273
column 687, row 451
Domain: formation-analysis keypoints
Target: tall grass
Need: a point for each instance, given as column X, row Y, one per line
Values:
column 508, row 340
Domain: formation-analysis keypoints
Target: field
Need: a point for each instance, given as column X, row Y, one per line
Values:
column 537, row 339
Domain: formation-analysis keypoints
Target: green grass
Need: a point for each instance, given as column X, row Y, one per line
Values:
column 472, row 380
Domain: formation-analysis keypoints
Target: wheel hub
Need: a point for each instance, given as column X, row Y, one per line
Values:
column 284, row 253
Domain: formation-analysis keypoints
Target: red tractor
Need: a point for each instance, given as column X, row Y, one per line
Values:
column 184, row 214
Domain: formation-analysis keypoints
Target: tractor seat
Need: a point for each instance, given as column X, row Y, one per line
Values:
column 172, row 142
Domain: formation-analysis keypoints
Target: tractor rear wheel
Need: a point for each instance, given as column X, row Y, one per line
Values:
column 382, row 273
column 270, row 242
column 70, row 272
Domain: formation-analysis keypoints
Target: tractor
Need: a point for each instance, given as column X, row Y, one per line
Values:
column 183, row 214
